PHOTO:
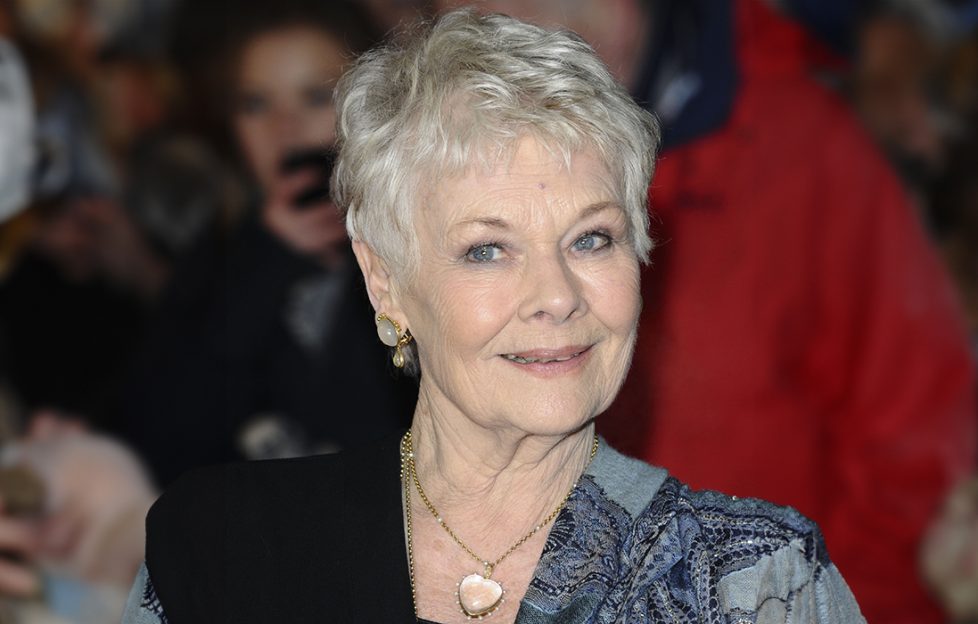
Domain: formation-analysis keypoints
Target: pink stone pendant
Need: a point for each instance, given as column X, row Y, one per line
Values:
column 479, row 596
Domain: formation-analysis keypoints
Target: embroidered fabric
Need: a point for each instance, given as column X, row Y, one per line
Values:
column 687, row 557
column 151, row 602
column 143, row 605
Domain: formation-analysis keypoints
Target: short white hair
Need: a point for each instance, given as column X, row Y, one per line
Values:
column 461, row 92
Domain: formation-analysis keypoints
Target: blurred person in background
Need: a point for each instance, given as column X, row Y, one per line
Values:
column 392, row 15
column 950, row 554
column 17, row 161
column 73, row 302
column 118, row 186
column 82, row 266
column 948, row 191
column 56, row 308
column 17, row 152
column 954, row 212
column 794, row 290
column 952, row 197
column 258, row 346
column 72, row 509
column 115, row 189
column 901, row 47
column 71, row 503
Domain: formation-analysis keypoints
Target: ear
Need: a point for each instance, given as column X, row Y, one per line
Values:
column 378, row 281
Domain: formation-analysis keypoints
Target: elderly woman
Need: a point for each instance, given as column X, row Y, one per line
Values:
column 494, row 177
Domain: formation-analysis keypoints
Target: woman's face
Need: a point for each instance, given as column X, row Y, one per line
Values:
column 284, row 99
column 527, row 298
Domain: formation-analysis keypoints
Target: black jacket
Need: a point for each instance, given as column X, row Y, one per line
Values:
column 317, row 539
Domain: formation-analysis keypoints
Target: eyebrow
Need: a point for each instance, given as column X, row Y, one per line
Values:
column 497, row 223
column 597, row 207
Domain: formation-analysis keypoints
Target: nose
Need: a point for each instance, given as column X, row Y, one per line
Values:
column 287, row 127
column 551, row 290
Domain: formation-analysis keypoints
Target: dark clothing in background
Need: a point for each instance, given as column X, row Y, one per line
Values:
column 228, row 362
column 689, row 74
column 66, row 344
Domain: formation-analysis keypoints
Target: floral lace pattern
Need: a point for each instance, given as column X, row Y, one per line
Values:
column 687, row 557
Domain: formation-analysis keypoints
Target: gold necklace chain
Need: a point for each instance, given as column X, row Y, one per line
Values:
column 409, row 475
column 407, row 517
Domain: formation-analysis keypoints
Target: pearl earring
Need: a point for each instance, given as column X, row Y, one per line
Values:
column 390, row 334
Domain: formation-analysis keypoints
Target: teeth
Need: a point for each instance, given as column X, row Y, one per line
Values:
column 522, row 360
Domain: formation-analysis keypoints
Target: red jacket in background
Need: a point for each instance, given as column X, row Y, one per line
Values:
column 800, row 341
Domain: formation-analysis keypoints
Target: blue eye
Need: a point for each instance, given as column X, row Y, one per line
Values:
column 486, row 252
column 592, row 241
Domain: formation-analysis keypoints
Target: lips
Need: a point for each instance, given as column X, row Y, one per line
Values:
column 547, row 356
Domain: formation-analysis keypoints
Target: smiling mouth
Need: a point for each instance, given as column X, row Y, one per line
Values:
column 544, row 359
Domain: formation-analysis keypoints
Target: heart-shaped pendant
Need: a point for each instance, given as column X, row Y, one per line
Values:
column 479, row 596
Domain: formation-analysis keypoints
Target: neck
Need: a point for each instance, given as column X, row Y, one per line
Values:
column 494, row 481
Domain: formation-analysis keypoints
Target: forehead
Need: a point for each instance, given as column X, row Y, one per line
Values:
column 533, row 180
column 291, row 53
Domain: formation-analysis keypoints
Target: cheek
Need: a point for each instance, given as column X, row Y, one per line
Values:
column 615, row 296
column 258, row 147
column 617, row 308
column 631, row 301
column 319, row 126
column 464, row 315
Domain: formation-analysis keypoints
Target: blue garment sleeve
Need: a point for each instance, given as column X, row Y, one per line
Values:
column 143, row 606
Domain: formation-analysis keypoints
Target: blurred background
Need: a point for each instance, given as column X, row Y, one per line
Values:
column 176, row 288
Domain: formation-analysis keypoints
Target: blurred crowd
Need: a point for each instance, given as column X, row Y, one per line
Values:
column 177, row 289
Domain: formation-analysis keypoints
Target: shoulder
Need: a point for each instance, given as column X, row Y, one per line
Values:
column 216, row 519
column 272, row 488
column 237, row 538
column 705, row 552
column 747, row 524
column 652, row 500
column 749, row 557
column 216, row 491
column 735, row 533
column 623, row 481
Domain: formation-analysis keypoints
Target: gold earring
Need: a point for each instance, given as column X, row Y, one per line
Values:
column 389, row 332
